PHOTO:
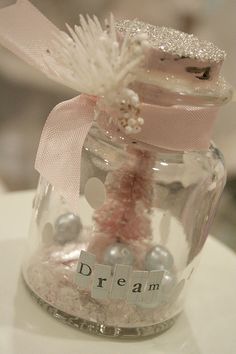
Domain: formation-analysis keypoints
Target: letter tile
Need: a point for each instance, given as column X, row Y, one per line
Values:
column 85, row 269
column 101, row 281
column 120, row 283
column 153, row 285
column 137, row 285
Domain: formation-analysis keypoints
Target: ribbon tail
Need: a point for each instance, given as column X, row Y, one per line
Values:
column 58, row 158
column 26, row 32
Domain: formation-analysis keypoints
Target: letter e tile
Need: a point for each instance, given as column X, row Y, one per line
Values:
column 120, row 283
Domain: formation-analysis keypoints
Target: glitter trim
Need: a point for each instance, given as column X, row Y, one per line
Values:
column 173, row 41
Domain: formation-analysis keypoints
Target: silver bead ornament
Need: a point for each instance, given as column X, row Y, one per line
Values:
column 67, row 228
column 159, row 258
column 118, row 253
column 167, row 286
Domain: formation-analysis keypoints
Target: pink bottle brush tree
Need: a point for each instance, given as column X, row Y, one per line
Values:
column 125, row 215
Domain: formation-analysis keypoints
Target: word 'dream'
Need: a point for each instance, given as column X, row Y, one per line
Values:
column 122, row 282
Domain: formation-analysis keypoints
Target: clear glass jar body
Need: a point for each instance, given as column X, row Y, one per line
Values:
column 142, row 207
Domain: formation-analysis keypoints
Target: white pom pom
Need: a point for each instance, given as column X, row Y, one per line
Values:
column 91, row 60
column 135, row 100
column 140, row 120
column 129, row 93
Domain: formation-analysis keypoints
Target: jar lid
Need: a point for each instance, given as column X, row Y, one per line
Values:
column 179, row 87
column 177, row 67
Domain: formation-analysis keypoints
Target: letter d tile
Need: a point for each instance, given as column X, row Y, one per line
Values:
column 85, row 269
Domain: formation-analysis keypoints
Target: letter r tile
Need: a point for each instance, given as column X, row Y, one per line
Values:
column 101, row 281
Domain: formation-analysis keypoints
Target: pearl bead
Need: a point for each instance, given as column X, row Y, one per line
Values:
column 140, row 120
column 128, row 92
column 165, row 292
column 67, row 228
column 159, row 258
column 167, row 285
column 135, row 100
column 118, row 253
column 128, row 129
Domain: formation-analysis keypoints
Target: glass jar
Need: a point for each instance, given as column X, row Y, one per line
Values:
column 123, row 264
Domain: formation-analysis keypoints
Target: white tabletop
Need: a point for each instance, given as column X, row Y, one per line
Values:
column 206, row 327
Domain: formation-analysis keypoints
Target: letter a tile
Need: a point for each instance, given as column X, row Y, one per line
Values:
column 137, row 285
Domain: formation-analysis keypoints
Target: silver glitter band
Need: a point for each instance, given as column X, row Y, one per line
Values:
column 173, row 42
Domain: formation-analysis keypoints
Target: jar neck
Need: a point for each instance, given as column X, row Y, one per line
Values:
column 178, row 128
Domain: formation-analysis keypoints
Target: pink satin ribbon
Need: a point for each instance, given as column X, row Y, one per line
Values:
column 59, row 153
column 27, row 33
column 181, row 128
